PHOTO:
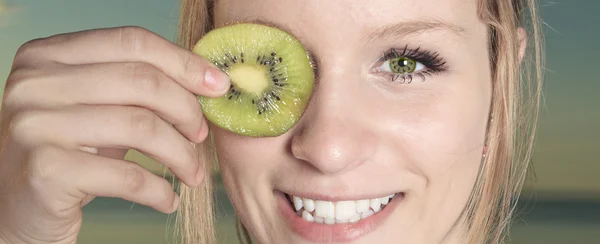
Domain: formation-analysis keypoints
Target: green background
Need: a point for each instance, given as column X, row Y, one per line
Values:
column 561, row 203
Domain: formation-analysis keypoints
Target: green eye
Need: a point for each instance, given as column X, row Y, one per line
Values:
column 402, row 65
column 407, row 64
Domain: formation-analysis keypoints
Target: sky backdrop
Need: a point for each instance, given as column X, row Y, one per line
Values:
column 566, row 161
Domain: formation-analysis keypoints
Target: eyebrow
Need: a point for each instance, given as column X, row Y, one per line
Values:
column 414, row 27
column 401, row 29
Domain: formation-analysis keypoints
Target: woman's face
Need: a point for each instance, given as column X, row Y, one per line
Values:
column 367, row 133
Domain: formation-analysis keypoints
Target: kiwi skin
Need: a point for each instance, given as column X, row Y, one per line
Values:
column 271, row 77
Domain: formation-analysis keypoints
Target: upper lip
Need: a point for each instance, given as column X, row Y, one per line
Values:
column 336, row 197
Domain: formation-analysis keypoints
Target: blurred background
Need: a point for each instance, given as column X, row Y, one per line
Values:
column 560, row 204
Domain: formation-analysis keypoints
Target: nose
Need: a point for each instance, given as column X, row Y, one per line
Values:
column 334, row 136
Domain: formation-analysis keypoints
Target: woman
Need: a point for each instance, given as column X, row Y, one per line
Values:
column 434, row 155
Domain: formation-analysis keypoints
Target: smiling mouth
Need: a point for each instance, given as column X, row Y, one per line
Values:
column 340, row 212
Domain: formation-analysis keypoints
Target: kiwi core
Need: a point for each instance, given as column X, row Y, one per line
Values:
column 250, row 78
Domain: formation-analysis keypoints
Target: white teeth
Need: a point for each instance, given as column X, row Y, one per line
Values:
column 344, row 221
column 367, row 214
column 376, row 204
column 309, row 204
column 344, row 210
column 385, row 200
column 297, row 203
column 341, row 212
column 307, row 216
column 362, row 206
column 319, row 220
column 325, row 209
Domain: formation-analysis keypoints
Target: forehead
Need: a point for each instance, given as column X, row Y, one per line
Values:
column 334, row 16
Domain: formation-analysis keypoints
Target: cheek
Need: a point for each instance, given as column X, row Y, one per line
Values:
column 244, row 168
column 238, row 156
column 452, row 136
column 438, row 131
column 434, row 128
column 229, row 165
column 247, row 161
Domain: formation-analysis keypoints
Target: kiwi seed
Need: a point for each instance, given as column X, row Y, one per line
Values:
column 267, row 96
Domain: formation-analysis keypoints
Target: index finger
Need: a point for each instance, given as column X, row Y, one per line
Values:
column 131, row 44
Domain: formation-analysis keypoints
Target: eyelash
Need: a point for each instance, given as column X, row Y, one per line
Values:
column 434, row 64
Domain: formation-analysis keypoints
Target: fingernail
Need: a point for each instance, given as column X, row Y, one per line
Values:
column 176, row 202
column 216, row 80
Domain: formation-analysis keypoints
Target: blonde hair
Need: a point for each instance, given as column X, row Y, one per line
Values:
column 511, row 130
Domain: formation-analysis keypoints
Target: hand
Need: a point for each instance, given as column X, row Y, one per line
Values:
column 74, row 104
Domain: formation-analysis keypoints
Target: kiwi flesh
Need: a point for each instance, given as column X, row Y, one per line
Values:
column 271, row 78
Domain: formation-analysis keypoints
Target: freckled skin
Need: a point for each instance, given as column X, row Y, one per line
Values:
column 361, row 133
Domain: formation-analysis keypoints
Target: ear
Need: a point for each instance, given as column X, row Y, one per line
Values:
column 522, row 35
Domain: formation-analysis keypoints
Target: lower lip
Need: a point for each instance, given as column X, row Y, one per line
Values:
column 316, row 232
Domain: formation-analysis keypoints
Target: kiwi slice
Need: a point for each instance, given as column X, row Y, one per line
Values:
column 271, row 79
